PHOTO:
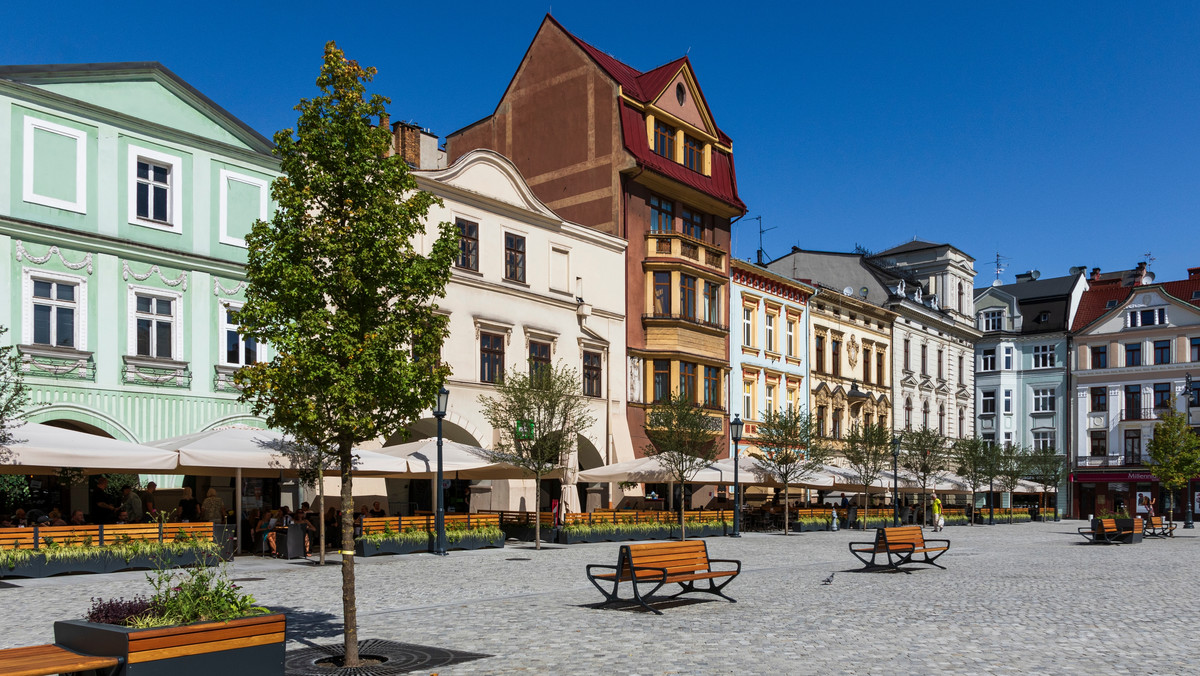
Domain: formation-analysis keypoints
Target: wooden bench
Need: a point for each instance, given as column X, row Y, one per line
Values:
column 899, row 544
column 1157, row 527
column 1108, row 533
column 662, row 563
column 45, row 660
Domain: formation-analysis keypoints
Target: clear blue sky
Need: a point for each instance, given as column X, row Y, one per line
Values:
column 1058, row 134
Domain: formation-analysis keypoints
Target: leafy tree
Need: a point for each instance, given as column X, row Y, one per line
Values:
column 925, row 454
column 540, row 412
column 683, row 438
column 1012, row 464
column 1048, row 467
column 339, row 290
column 1174, row 452
column 14, row 396
column 868, row 452
column 789, row 449
column 975, row 461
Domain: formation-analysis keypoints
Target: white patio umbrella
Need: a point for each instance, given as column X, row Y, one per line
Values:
column 239, row 452
column 459, row 461
column 39, row 448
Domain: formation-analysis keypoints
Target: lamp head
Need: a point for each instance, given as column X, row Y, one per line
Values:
column 443, row 401
column 735, row 427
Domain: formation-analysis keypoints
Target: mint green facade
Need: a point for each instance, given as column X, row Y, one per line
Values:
column 123, row 204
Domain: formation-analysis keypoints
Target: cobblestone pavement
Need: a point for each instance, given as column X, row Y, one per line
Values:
column 1016, row 599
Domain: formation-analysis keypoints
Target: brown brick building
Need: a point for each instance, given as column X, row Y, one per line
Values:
column 639, row 155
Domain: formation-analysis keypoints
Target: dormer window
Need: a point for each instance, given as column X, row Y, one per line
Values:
column 693, row 154
column 1110, row 305
column 664, row 140
column 991, row 320
column 1152, row 317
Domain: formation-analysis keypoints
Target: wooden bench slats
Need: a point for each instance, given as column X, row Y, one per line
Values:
column 1157, row 527
column 662, row 563
column 46, row 660
column 78, row 536
column 899, row 544
column 1108, row 533
column 221, row 633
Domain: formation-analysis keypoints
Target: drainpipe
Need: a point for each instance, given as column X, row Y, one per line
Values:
column 1069, row 445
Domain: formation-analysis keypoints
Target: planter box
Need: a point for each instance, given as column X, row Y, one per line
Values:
column 250, row 645
column 472, row 541
column 103, row 562
column 663, row 532
column 701, row 532
column 369, row 548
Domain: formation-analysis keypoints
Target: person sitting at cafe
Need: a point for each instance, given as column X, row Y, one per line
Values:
column 131, row 504
column 262, row 531
column 55, row 518
column 122, row 516
column 77, row 518
column 19, row 519
column 376, row 510
column 189, row 506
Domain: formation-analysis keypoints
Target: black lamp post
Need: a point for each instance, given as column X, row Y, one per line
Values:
column 1189, row 401
column 439, row 523
column 895, row 480
column 735, row 433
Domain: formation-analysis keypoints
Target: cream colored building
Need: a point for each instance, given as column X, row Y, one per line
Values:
column 526, row 285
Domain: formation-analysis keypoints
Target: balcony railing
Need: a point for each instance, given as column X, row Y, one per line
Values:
column 1102, row 461
column 1143, row 413
column 681, row 246
column 690, row 319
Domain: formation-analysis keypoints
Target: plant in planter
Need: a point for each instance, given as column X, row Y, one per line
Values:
column 461, row 537
column 195, row 621
column 54, row 557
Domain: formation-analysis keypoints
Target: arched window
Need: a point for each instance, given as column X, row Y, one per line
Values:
column 942, row 420
column 908, row 413
column 925, row 415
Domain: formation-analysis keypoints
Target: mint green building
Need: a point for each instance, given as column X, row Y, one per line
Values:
column 123, row 207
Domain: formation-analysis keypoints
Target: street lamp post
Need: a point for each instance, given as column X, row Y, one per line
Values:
column 991, row 507
column 1189, row 401
column 439, row 523
column 735, row 433
column 895, row 480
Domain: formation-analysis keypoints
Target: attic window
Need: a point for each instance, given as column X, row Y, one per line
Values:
column 1044, row 317
column 1110, row 305
column 1196, row 295
column 680, row 93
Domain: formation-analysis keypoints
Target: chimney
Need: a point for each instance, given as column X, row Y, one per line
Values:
column 406, row 142
column 1030, row 276
column 1095, row 274
column 1193, row 273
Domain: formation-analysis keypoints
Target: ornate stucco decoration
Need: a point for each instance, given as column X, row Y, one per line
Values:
column 23, row 254
column 180, row 281
column 852, row 351
column 219, row 288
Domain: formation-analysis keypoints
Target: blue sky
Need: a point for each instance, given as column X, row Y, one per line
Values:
column 1056, row 134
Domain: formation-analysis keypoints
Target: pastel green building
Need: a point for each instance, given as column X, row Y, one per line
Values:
column 122, row 216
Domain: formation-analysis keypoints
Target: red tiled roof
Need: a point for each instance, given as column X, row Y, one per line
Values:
column 1094, row 303
column 721, row 185
column 643, row 87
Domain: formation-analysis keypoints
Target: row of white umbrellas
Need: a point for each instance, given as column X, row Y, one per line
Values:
column 40, row 448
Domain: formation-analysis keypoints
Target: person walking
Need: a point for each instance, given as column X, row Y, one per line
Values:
column 938, row 523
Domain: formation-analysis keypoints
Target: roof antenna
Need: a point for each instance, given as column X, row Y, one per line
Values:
column 761, row 260
column 1149, row 259
column 999, row 266
column 689, row 50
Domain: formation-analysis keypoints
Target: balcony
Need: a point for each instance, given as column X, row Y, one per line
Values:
column 1102, row 461
column 1142, row 413
column 694, row 320
column 677, row 245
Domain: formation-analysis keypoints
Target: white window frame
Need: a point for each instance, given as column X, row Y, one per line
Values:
column 791, row 338
column 1008, row 357
column 81, row 306
column 223, row 206
column 988, row 317
column 177, row 346
column 174, row 222
column 223, row 323
column 1043, row 400
column 1043, row 440
column 769, row 323
column 770, row 398
column 1008, row 400
column 79, row 204
column 985, row 397
column 747, row 327
column 983, row 359
column 1044, row 357
column 748, row 399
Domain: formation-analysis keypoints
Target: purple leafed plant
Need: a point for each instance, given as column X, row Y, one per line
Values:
column 118, row 611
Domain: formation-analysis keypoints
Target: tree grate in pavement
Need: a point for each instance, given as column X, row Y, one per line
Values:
column 395, row 658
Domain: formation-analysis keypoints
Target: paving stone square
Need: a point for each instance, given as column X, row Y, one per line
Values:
column 1015, row 599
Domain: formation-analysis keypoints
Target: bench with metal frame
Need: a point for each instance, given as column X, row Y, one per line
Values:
column 1108, row 533
column 899, row 544
column 49, row 659
column 1157, row 527
column 661, row 563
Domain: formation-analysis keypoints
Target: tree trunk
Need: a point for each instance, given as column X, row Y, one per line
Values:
column 682, row 508
column 537, row 512
column 786, row 498
column 349, row 600
column 321, row 509
column 971, row 520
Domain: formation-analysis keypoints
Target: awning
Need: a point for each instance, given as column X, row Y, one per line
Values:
column 42, row 449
